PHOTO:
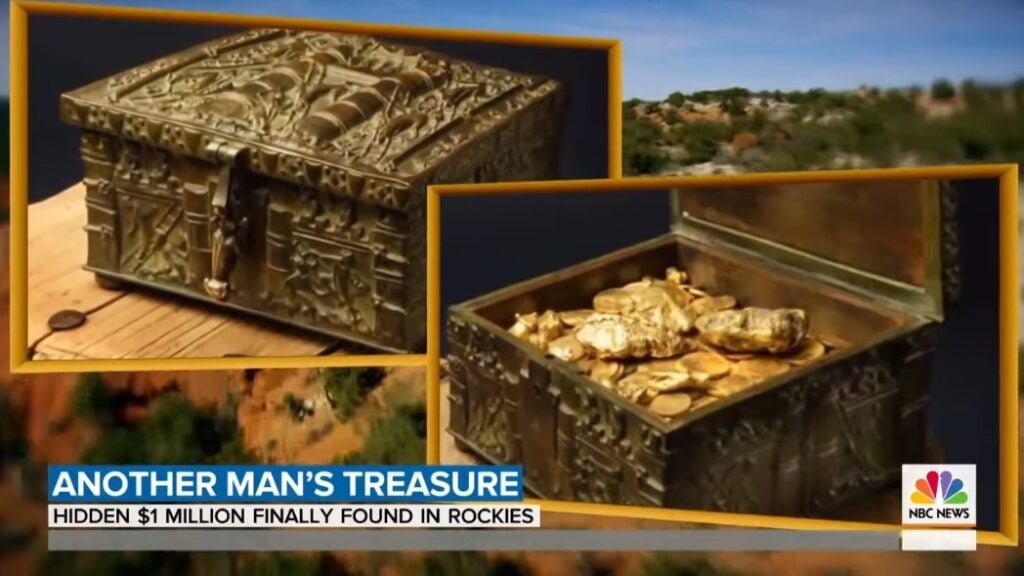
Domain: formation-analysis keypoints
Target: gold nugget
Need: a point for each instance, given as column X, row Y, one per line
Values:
column 754, row 329
column 567, row 348
column 549, row 327
column 621, row 337
column 659, row 382
column 635, row 390
column 676, row 276
column 525, row 325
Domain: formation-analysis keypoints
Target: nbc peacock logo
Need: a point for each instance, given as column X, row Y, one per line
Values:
column 939, row 487
column 939, row 495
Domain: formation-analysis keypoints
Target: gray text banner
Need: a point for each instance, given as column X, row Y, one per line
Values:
column 473, row 540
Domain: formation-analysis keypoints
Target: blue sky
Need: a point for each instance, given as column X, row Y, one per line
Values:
column 692, row 45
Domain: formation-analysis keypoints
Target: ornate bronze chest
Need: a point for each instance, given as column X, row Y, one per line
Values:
column 282, row 173
column 872, row 265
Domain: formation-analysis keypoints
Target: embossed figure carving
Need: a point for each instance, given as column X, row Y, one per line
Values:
column 283, row 171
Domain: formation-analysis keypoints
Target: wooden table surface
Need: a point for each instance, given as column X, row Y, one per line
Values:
column 130, row 323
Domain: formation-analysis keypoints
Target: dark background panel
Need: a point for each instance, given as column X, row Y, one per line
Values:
column 67, row 53
column 965, row 392
column 488, row 243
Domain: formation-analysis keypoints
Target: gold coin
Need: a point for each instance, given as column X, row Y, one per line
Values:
column 709, row 304
column 676, row 276
column 607, row 373
column 669, row 405
column 727, row 354
column 567, row 348
column 762, row 367
column 613, row 301
column 731, row 384
column 694, row 291
column 667, row 365
column 807, row 351
column 706, row 363
column 702, row 401
column 574, row 318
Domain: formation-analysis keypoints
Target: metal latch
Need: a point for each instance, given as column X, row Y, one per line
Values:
column 228, row 226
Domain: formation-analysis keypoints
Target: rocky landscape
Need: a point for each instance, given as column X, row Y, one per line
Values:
column 737, row 130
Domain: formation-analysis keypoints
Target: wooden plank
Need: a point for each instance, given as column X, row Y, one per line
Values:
column 56, row 253
column 129, row 323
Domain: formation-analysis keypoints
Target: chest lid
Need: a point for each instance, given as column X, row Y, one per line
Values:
column 322, row 109
column 892, row 240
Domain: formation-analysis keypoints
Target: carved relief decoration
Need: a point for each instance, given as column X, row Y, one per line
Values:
column 950, row 238
column 341, row 112
column 153, row 240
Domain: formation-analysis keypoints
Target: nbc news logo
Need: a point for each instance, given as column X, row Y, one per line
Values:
column 939, row 495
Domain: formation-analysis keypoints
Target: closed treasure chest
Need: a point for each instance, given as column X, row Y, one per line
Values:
column 770, row 355
column 282, row 173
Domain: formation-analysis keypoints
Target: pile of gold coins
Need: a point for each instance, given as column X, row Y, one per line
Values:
column 667, row 345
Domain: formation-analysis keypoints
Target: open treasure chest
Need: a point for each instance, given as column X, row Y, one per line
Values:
column 282, row 173
column 770, row 355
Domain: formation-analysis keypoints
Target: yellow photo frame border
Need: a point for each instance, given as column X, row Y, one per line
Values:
column 1009, row 306
column 19, row 16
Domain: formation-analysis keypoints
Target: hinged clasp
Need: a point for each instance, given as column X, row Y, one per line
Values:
column 227, row 226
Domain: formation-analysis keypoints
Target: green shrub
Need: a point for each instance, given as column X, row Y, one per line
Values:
column 115, row 446
column 170, row 431
column 295, row 407
column 173, row 431
column 347, row 388
column 90, row 563
column 469, row 564
column 735, row 106
column 683, row 564
column 942, row 89
column 701, row 139
column 677, row 98
column 12, row 429
column 640, row 152
column 91, row 401
column 278, row 564
column 397, row 438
